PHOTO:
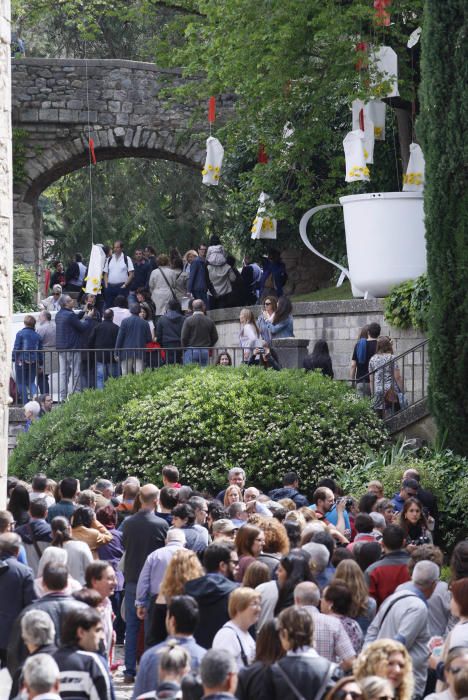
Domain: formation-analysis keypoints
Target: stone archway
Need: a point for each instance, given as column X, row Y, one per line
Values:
column 129, row 116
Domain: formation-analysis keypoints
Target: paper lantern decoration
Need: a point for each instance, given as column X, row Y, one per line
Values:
column 356, row 168
column 214, row 160
column 97, row 260
column 413, row 181
column 369, row 139
column 414, row 38
column 376, row 111
column 264, row 226
column 384, row 61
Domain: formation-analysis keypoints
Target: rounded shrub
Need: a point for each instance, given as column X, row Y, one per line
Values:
column 205, row 421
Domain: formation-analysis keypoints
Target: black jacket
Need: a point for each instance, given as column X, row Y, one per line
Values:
column 289, row 492
column 104, row 336
column 17, row 681
column 16, row 591
column 57, row 605
column 306, row 673
column 211, row 593
column 143, row 533
column 169, row 329
column 83, row 675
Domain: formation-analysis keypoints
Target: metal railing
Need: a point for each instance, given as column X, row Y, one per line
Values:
column 414, row 370
column 60, row 373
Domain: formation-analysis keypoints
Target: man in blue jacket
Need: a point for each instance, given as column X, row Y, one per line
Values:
column 27, row 359
column 198, row 283
column 134, row 333
column 69, row 329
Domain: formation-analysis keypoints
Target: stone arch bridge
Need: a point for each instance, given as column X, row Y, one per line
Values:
column 128, row 115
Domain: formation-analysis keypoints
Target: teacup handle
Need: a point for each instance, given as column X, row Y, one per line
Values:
column 303, row 231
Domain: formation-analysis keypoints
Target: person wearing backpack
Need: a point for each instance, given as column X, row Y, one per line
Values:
column 117, row 274
column 364, row 349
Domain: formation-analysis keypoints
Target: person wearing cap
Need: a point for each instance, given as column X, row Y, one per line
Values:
column 224, row 529
column 52, row 303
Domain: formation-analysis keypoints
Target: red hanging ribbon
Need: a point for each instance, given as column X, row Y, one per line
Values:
column 211, row 109
column 361, row 47
column 91, row 150
column 262, row 154
column 382, row 17
column 361, row 119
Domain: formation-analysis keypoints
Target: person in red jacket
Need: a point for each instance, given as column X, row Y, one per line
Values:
column 387, row 573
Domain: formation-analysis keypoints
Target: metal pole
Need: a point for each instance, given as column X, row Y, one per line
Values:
column 6, row 238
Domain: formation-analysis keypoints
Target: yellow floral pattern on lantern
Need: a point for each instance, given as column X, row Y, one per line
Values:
column 413, row 179
column 378, row 131
column 357, row 171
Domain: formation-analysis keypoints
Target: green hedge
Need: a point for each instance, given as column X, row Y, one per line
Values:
column 205, row 421
column 24, row 289
column 442, row 472
column 408, row 304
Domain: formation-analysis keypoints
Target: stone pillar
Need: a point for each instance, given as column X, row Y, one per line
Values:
column 291, row 351
column 6, row 237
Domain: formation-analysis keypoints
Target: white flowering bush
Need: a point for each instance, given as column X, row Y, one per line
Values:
column 205, row 421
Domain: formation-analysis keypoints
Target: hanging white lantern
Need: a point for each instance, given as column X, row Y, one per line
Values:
column 376, row 110
column 214, row 160
column 93, row 277
column 413, row 180
column 264, row 226
column 384, row 61
column 368, row 140
column 356, row 168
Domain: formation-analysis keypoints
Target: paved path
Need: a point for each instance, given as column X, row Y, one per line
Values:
column 122, row 692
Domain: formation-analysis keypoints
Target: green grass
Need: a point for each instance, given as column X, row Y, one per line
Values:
column 327, row 294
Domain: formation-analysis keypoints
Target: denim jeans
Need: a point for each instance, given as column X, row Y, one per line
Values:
column 104, row 370
column 26, row 380
column 197, row 356
column 112, row 291
column 132, row 624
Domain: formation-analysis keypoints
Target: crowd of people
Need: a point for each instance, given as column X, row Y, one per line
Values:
column 237, row 594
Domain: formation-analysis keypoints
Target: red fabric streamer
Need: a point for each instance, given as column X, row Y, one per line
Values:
column 361, row 119
column 91, row 150
column 382, row 17
column 46, row 281
column 361, row 47
column 211, row 109
column 262, row 154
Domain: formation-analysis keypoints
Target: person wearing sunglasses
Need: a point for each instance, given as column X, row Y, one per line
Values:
column 346, row 689
column 376, row 688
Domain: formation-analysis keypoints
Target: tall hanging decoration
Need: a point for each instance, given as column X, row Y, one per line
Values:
column 97, row 259
column 384, row 62
column 356, row 168
column 264, row 225
column 214, row 151
column 413, row 180
column 91, row 150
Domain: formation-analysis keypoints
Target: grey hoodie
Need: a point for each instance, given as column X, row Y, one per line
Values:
column 221, row 274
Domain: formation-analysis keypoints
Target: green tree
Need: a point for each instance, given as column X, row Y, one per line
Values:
column 443, row 128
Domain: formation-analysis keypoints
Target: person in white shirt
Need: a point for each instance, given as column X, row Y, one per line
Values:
column 39, row 490
column 118, row 273
column 244, row 610
column 249, row 336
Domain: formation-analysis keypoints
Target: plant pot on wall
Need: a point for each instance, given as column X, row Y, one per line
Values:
column 385, row 240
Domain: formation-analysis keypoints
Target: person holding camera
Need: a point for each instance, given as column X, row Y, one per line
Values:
column 414, row 524
column 264, row 357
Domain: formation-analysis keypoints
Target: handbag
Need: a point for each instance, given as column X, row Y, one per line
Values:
column 167, row 282
column 391, row 399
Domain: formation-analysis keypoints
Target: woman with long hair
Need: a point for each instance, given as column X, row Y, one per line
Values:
column 337, row 601
column 385, row 376
column 224, row 359
column 268, row 651
column 281, row 325
column 83, row 529
column 256, row 573
column 249, row 545
column 363, row 607
column 18, row 505
column 244, row 611
column 183, row 567
column 249, row 336
column 146, row 313
column 233, row 494
column 79, row 553
column 414, row 524
column 319, row 359
column 388, row 659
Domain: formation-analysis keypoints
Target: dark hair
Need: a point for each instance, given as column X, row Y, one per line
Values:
column 321, row 351
column 215, row 240
column 299, row 625
column 107, row 515
column 39, row 482
column 293, row 531
column 339, row 594
column 410, row 484
column 121, row 301
column 268, row 647
column 319, row 494
column 340, row 554
column 19, row 501
column 283, row 310
column 171, row 473
column 460, row 595
column 324, row 537
column 184, row 511
column 366, row 553
column 184, row 494
column 459, row 561
column 83, row 515
column 367, row 502
column 68, row 487
column 38, row 509
column 80, row 617
column 60, row 533
column 88, row 596
column 222, row 354
column 245, row 538
column 290, row 478
column 151, row 249
column 78, row 257
column 144, row 306
column 393, row 537
column 384, row 345
column 374, row 330
column 329, row 483
column 402, row 520
column 256, row 573
column 168, row 497
column 95, row 571
column 184, row 609
column 174, row 305
column 215, row 554
column 364, row 523
column 296, row 564
column 216, row 510
column 55, row 576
